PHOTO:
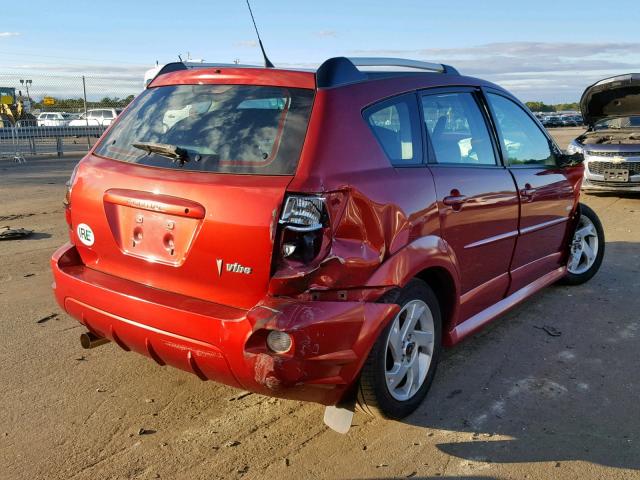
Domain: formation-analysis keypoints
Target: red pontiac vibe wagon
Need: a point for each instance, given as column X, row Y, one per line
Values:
column 318, row 235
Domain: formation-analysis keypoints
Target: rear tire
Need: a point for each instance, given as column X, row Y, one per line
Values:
column 586, row 249
column 400, row 367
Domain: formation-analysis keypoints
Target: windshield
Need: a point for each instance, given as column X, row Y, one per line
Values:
column 221, row 128
column 618, row 122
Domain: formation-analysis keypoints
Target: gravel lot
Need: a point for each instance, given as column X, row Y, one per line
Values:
column 512, row 402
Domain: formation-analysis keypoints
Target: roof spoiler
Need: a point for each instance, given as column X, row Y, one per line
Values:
column 177, row 66
column 342, row 70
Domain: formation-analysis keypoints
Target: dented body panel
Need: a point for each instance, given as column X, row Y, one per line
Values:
column 226, row 344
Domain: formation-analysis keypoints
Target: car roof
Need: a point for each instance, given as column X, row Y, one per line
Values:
column 338, row 72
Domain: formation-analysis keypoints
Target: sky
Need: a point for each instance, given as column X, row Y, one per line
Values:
column 540, row 50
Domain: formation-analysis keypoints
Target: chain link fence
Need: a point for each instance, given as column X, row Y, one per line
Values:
column 56, row 115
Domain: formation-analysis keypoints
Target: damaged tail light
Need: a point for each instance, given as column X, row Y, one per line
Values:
column 303, row 220
column 303, row 214
column 305, row 226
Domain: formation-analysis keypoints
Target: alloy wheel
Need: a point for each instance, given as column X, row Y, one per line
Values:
column 409, row 350
column 584, row 247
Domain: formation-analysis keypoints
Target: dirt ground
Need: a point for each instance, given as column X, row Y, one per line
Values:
column 511, row 402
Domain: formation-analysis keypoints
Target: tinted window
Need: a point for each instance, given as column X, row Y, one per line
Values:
column 395, row 125
column 223, row 128
column 522, row 139
column 107, row 114
column 457, row 129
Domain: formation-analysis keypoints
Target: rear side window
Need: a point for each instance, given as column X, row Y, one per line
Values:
column 395, row 125
column 522, row 140
column 457, row 129
column 218, row 128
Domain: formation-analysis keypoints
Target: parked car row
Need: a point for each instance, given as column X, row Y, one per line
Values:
column 560, row 120
column 101, row 117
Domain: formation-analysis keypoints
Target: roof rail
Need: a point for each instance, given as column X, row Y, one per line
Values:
column 342, row 70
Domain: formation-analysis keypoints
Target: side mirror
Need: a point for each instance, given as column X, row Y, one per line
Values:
column 566, row 160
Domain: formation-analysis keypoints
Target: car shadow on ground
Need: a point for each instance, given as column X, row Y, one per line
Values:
column 445, row 477
column 522, row 395
column 595, row 193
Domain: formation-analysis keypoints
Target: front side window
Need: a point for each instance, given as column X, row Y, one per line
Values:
column 457, row 129
column 213, row 128
column 394, row 124
column 522, row 139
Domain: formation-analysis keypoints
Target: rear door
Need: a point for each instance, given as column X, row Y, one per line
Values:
column 477, row 198
column 547, row 196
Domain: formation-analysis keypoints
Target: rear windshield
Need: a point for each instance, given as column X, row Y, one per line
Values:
column 217, row 128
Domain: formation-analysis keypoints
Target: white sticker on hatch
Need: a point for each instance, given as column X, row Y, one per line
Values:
column 85, row 234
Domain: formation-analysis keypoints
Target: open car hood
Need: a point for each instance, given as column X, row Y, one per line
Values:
column 612, row 97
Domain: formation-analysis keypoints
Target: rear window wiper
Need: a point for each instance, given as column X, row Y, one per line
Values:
column 174, row 152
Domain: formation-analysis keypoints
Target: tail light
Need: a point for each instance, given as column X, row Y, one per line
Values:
column 303, row 219
column 304, row 223
column 67, row 196
column 303, row 214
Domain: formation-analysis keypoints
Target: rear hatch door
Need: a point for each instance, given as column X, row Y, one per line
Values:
column 202, row 222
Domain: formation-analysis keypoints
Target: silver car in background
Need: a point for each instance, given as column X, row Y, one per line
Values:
column 611, row 144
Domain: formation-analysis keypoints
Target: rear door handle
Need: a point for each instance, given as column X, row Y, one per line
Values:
column 454, row 201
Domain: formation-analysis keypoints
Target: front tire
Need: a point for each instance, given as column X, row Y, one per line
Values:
column 402, row 363
column 586, row 249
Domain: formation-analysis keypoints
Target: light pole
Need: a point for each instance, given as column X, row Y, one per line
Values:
column 26, row 83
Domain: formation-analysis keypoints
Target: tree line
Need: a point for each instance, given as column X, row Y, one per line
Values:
column 558, row 107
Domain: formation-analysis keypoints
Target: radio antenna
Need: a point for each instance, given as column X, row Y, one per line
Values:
column 267, row 62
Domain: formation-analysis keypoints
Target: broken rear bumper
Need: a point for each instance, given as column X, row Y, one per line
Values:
column 331, row 340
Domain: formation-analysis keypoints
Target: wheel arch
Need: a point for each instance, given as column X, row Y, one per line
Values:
column 432, row 260
column 574, row 219
column 443, row 285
